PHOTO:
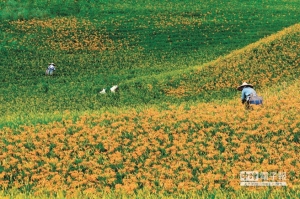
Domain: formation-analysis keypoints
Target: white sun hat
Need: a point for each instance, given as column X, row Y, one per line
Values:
column 114, row 88
column 102, row 92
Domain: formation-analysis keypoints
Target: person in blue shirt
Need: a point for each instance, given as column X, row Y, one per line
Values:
column 247, row 92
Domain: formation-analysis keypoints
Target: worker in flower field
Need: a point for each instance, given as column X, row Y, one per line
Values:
column 50, row 69
column 249, row 95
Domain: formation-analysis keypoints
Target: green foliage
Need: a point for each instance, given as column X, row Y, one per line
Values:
column 142, row 46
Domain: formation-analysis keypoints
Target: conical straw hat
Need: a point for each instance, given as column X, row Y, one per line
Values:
column 240, row 88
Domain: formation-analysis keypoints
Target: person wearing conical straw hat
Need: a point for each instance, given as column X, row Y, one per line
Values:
column 247, row 93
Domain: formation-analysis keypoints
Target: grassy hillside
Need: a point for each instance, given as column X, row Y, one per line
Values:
column 176, row 128
column 267, row 62
column 185, row 148
column 120, row 43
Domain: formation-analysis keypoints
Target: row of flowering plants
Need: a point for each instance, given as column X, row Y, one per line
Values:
column 182, row 148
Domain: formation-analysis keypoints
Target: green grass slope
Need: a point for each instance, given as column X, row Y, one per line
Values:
column 143, row 47
column 264, row 63
column 267, row 62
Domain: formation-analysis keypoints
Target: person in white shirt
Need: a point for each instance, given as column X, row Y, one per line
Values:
column 50, row 69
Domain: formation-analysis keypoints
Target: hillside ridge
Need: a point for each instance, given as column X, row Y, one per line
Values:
column 234, row 53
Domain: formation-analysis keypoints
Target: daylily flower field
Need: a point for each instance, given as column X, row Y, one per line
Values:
column 175, row 128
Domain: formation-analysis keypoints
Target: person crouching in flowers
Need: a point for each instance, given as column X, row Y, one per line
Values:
column 50, row 69
column 249, row 95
